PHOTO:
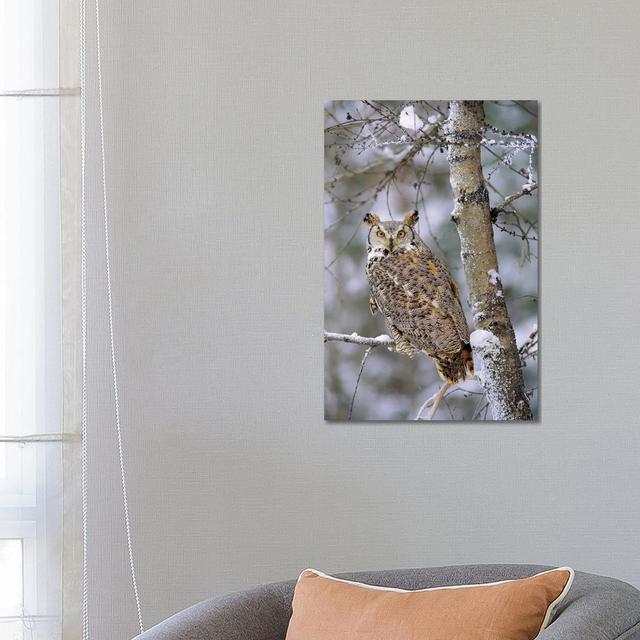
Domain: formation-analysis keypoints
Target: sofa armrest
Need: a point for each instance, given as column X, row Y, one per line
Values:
column 258, row 614
column 597, row 608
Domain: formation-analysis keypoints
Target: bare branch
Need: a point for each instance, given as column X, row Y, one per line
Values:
column 529, row 348
column 351, row 123
column 355, row 390
column 524, row 108
column 433, row 401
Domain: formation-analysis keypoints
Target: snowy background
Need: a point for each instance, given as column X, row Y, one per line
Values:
column 371, row 165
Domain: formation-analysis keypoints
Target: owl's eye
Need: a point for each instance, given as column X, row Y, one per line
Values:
column 380, row 234
column 401, row 234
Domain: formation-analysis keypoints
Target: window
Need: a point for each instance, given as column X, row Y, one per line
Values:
column 32, row 430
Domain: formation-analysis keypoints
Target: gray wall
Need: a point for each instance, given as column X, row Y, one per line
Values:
column 214, row 151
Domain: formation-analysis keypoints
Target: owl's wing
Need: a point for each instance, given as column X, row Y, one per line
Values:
column 452, row 297
column 417, row 296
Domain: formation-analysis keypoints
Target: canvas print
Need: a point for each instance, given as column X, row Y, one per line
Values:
column 431, row 256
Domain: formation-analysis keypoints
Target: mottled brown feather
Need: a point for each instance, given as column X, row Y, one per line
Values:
column 419, row 300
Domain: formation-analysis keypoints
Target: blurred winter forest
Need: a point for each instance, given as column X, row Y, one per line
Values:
column 389, row 157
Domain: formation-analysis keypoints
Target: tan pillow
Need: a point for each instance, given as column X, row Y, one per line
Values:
column 326, row 608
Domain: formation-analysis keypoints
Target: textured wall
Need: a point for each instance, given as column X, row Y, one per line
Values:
column 214, row 149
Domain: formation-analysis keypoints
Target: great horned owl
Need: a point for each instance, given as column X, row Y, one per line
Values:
column 419, row 300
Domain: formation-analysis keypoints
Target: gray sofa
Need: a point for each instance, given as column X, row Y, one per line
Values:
column 596, row 608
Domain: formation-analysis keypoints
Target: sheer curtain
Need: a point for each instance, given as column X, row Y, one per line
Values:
column 38, row 542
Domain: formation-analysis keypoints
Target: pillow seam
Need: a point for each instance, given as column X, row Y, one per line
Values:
column 555, row 603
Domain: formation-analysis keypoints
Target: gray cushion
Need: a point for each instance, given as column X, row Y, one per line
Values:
column 596, row 608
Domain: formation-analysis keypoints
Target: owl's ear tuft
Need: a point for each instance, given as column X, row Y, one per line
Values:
column 411, row 218
column 372, row 219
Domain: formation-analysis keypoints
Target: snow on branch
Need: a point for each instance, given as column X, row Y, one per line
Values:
column 484, row 343
column 488, row 350
column 525, row 191
column 353, row 338
column 486, row 346
column 515, row 142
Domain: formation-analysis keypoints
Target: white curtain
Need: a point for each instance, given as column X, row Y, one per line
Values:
column 37, row 191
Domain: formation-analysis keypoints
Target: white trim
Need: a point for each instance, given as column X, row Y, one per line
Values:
column 545, row 622
column 552, row 607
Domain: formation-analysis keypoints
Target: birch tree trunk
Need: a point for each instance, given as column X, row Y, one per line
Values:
column 494, row 339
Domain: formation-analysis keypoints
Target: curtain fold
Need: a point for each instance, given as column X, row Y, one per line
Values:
column 40, row 338
column 70, row 185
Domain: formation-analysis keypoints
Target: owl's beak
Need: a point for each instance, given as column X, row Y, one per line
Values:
column 390, row 244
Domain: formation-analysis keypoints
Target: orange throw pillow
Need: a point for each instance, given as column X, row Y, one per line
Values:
column 326, row 608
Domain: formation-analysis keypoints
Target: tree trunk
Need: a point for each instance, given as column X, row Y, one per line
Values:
column 494, row 339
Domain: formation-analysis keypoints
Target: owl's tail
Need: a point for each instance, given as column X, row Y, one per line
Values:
column 467, row 354
column 456, row 367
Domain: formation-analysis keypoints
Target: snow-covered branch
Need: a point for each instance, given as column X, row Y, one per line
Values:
column 354, row 338
column 525, row 191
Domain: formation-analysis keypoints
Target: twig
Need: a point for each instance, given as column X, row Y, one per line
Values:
column 354, row 338
column 351, row 123
column 427, row 403
column 520, row 172
column 353, row 397
column 349, row 241
column 529, row 348
column 518, row 223
column 480, row 407
column 525, row 191
column 521, row 105
column 434, row 400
